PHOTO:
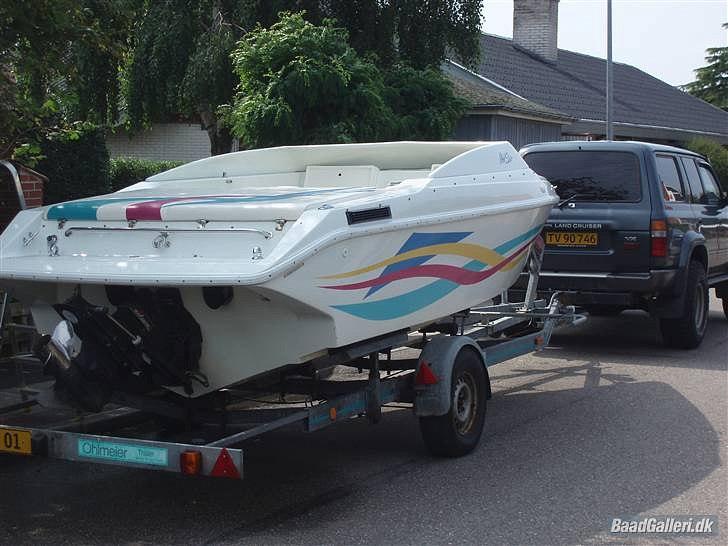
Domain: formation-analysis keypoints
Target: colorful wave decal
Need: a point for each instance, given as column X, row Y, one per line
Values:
column 150, row 208
column 486, row 263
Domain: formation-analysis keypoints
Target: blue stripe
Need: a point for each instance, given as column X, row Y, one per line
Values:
column 415, row 241
column 259, row 198
column 404, row 304
column 85, row 209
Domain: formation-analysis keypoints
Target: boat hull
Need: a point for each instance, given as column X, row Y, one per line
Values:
column 350, row 291
column 275, row 276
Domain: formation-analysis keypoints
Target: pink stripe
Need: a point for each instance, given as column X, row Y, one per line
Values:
column 457, row 275
column 152, row 210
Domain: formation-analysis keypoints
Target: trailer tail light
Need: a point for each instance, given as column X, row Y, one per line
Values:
column 190, row 462
column 658, row 238
column 425, row 375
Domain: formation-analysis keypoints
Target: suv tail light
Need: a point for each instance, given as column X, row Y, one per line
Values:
column 658, row 238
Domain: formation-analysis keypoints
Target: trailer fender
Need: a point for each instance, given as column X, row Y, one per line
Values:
column 439, row 355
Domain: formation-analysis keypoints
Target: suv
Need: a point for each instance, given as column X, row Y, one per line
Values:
column 639, row 226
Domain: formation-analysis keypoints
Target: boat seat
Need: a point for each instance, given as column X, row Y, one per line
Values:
column 324, row 176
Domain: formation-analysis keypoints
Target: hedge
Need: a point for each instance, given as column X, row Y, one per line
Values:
column 716, row 154
column 126, row 171
column 76, row 167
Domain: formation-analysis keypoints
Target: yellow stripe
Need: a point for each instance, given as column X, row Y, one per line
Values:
column 517, row 262
column 467, row 250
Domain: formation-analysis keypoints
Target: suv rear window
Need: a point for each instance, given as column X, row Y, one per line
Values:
column 590, row 175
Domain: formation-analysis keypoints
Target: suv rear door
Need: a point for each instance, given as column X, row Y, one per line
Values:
column 603, row 221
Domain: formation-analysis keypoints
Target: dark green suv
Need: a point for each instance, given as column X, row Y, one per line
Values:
column 639, row 226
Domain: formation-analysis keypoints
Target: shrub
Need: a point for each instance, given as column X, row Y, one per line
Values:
column 76, row 164
column 126, row 171
column 716, row 154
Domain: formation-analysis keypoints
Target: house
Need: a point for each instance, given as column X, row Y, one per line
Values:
column 531, row 68
column 522, row 90
column 181, row 141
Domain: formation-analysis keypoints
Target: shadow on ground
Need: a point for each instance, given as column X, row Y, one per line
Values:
column 553, row 468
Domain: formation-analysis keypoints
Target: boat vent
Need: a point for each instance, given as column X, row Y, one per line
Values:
column 367, row 215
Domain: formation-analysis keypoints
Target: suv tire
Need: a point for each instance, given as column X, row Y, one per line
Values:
column 688, row 331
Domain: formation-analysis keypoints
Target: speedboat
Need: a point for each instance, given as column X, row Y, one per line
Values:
column 223, row 269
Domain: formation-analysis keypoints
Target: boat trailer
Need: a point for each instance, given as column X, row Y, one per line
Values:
column 446, row 384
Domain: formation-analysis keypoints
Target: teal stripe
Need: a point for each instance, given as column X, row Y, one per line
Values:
column 405, row 304
column 85, row 209
column 259, row 198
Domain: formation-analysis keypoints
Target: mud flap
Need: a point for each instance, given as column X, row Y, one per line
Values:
column 439, row 355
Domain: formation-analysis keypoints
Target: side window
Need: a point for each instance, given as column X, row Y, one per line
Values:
column 712, row 190
column 696, row 188
column 672, row 187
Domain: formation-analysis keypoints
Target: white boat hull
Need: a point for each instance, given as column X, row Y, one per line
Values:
column 303, row 279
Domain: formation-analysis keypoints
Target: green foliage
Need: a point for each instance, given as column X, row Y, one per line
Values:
column 76, row 164
column 95, row 86
column 711, row 83
column 58, row 63
column 716, row 154
column 417, row 32
column 304, row 84
column 125, row 171
column 423, row 103
column 181, row 62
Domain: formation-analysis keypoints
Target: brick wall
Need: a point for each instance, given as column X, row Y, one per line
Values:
column 32, row 184
column 535, row 26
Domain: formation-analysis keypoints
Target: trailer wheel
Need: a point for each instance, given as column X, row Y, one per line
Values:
column 458, row 431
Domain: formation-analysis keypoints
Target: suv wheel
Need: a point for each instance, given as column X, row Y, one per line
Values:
column 687, row 331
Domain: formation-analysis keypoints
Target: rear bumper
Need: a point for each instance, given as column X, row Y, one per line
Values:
column 652, row 282
column 630, row 290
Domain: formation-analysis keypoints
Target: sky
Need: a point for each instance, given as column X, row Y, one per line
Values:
column 666, row 38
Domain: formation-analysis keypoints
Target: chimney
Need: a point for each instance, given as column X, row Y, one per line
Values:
column 535, row 26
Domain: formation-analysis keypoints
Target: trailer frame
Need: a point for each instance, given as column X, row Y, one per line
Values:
column 497, row 333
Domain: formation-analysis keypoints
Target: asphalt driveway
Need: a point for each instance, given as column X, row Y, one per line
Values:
column 605, row 423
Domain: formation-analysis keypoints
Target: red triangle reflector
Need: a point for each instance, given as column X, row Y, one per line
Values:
column 225, row 466
column 425, row 376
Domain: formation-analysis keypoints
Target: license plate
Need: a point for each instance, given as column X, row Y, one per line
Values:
column 572, row 238
column 15, row 441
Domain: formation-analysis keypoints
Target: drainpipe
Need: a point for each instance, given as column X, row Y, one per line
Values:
column 16, row 178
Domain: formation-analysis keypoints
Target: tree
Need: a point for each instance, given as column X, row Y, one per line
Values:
column 304, row 84
column 181, row 62
column 45, row 76
column 419, row 32
column 715, row 153
column 422, row 102
column 711, row 83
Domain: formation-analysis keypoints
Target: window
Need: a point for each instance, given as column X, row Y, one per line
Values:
column 696, row 188
column 590, row 175
column 712, row 190
column 672, row 187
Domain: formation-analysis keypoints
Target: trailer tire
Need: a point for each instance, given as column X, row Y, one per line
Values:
column 458, row 432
